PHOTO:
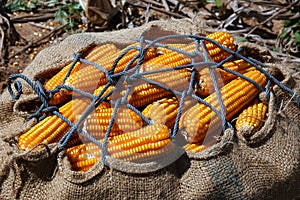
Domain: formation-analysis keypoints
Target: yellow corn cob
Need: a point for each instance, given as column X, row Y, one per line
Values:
column 194, row 147
column 126, row 120
column 119, row 143
column 75, row 138
column 99, row 90
column 165, row 61
column 95, row 54
column 90, row 78
column 144, row 93
column 52, row 128
column 103, row 105
column 252, row 117
column 235, row 96
column 216, row 54
column 190, row 47
column 222, row 77
column 146, row 96
column 145, row 143
column 164, row 111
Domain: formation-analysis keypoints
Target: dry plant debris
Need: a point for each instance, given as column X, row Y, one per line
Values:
column 26, row 27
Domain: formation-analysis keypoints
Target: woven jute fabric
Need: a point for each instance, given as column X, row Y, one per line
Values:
column 243, row 165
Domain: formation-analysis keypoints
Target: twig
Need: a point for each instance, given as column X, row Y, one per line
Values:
column 152, row 2
column 165, row 3
column 33, row 18
column 39, row 40
column 159, row 10
column 42, row 26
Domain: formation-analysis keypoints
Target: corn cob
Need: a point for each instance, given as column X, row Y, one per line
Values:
column 216, row 54
column 252, row 117
column 146, row 96
column 164, row 111
column 194, row 147
column 235, row 96
column 90, row 78
column 99, row 90
column 52, row 128
column 94, row 55
column 144, row 93
column 165, row 61
column 130, row 146
column 77, row 139
column 205, row 85
column 126, row 120
column 190, row 47
column 103, row 105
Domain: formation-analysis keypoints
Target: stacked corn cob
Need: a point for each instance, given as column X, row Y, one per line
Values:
column 129, row 137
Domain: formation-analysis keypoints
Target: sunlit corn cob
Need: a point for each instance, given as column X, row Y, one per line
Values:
column 252, row 117
column 189, row 47
column 52, row 128
column 95, row 54
column 144, row 93
column 235, row 96
column 99, row 90
column 164, row 111
column 126, row 120
column 90, row 78
column 216, row 54
column 148, row 94
column 143, row 144
column 205, row 85
column 76, row 139
column 194, row 147
column 165, row 61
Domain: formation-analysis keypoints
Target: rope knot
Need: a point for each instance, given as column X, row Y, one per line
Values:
column 110, row 78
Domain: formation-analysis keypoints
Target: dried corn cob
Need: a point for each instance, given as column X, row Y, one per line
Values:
column 252, row 117
column 194, row 147
column 164, row 111
column 188, row 47
column 126, row 120
column 235, row 96
column 90, row 78
column 95, row 54
column 99, row 90
column 165, row 61
column 216, row 54
column 146, row 96
column 144, row 93
column 141, row 144
column 52, row 128
column 76, row 139
column 205, row 85
column 102, row 106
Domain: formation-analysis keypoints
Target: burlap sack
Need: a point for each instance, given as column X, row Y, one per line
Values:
column 261, row 165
